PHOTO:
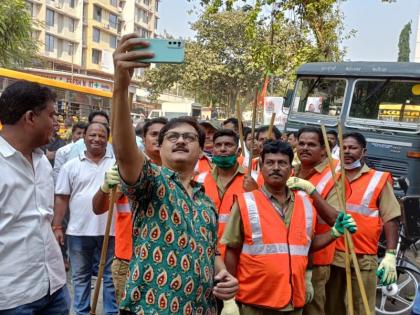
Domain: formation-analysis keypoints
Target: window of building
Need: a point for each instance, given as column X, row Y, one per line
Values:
column 96, row 56
column 96, row 35
column 113, row 20
column 72, row 3
column 113, row 41
column 49, row 42
column 72, row 25
column 156, row 23
column 71, row 48
column 113, row 2
column 97, row 13
column 144, row 33
column 30, row 7
column 157, row 5
column 146, row 2
column 49, row 18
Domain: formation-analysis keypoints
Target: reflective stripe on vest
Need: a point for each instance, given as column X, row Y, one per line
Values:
column 201, row 177
column 363, row 207
column 254, row 174
column 258, row 248
column 324, row 180
column 254, row 218
column 123, row 207
column 279, row 248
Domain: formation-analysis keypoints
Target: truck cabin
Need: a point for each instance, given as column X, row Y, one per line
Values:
column 379, row 99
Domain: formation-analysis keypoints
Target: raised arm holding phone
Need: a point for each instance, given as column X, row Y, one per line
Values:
column 175, row 260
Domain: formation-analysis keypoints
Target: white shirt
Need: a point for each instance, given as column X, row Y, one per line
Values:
column 80, row 178
column 335, row 152
column 61, row 157
column 30, row 258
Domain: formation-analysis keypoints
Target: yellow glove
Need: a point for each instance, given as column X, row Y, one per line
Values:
column 387, row 271
column 309, row 291
column 112, row 178
column 230, row 308
column 301, row 184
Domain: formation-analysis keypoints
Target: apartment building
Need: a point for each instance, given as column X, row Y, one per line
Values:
column 79, row 36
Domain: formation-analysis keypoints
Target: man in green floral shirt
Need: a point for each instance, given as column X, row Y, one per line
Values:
column 174, row 265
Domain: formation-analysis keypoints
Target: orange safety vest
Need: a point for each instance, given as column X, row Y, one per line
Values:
column 324, row 183
column 224, row 204
column 255, row 164
column 363, row 206
column 274, row 258
column 203, row 165
column 123, row 228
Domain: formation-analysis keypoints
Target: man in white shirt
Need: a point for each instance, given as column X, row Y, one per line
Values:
column 79, row 146
column 334, row 145
column 76, row 185
column 32, row 276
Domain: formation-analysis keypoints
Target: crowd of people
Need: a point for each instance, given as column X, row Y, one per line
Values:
column 198, row 228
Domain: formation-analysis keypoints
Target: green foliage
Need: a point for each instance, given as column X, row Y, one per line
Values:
column 17, row 48
column 404, row 44
column 237, row 45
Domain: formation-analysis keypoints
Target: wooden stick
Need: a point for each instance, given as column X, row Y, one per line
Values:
column 342, row 204
column 254, row 118
column 349, row 292
column 270, row 127
column 112, row 199
column 241, row 131
column 347, row 234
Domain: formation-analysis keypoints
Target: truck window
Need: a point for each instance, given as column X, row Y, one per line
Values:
column 322, row 96
column 196, row 112
column 385, row 100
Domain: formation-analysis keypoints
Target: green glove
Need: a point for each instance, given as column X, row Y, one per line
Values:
column 112, row 178
column 301, row 184
column 343, row 221
column 387, row 271
column 230, row 308
column 309, row 289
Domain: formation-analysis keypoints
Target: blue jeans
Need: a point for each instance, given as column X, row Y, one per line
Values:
column 82, row 252
column 56, row 304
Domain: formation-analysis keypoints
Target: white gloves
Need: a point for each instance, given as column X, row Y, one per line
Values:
column 112, row 178
column 387, row 271
column 230, row 308
column 301, row 184
column 309, row 291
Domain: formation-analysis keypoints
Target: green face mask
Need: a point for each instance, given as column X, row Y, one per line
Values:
column 224, row 161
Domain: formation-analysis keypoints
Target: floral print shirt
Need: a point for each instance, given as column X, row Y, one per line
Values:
column 174, row 239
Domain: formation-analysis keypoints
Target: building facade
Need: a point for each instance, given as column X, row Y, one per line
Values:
column 79, row 36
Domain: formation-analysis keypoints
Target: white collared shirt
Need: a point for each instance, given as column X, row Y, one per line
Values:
column 80, row 178
column 335, row 152
column 61, row 157
column 31, row 262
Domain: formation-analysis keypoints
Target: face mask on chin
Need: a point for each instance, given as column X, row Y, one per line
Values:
column 354, row 165
column 224, row 161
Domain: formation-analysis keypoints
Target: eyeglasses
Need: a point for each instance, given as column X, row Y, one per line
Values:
column 187, row 136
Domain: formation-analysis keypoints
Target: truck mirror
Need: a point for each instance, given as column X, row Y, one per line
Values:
column 288, row 98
